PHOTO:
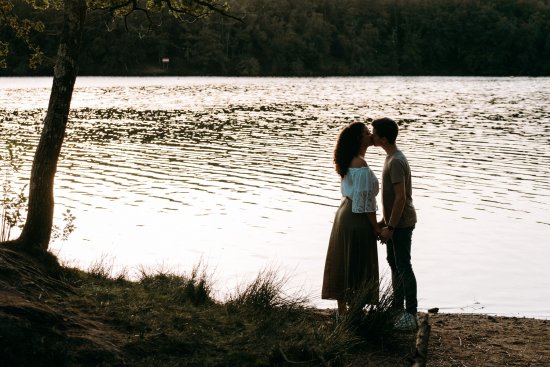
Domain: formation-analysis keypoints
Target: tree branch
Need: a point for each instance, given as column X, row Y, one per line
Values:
column 216, row 9
column 132, row 6
column 136, row 7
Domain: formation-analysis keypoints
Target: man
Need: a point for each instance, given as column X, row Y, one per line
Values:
column 398, row 221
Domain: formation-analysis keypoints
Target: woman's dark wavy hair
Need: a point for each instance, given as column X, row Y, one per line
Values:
column 348, row 146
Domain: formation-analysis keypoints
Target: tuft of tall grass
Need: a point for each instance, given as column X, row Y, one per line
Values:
column 371, row 322
column 101, row 268
column 285, row 325
column 265, row 293
column 195, row 288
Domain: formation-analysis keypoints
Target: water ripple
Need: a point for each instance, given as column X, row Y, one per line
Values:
column 261, row 149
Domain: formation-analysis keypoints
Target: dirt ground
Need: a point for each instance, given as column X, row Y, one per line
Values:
column 469, row 340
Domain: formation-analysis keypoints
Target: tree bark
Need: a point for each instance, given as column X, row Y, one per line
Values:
column 38, row 226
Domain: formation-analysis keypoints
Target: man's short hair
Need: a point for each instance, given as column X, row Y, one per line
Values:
column 386, row 128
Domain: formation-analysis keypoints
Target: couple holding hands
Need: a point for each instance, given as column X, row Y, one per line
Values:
column 352, row 256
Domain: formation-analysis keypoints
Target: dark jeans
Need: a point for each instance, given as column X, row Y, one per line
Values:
column 403, row 279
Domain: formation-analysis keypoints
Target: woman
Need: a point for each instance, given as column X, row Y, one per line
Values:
column 352, row 256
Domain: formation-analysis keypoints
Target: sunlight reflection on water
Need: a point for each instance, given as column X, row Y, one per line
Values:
column 238, row 172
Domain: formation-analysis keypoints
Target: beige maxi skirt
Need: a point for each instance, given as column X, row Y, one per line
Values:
column 352, row 256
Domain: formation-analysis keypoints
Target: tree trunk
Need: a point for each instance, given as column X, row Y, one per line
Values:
column 38, row 227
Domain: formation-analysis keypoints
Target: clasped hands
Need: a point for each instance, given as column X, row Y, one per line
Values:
column 383, row 233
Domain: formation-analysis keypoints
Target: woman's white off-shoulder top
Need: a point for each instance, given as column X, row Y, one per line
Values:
column 361, row 186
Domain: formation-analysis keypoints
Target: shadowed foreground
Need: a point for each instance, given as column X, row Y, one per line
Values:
column 51, row 315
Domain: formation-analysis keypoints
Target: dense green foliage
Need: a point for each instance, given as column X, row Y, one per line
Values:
column 317, row 37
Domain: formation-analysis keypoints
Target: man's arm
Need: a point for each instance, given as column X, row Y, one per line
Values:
column 396, row 211
column 398, row 204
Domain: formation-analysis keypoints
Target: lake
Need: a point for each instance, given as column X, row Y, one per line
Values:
column 237, row 173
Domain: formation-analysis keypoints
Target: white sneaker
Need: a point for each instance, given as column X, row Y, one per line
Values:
column 406, row 322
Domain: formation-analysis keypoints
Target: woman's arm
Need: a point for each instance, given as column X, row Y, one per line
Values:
column 374, row 223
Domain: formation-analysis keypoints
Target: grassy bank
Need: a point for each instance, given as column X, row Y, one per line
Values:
column 52, row 315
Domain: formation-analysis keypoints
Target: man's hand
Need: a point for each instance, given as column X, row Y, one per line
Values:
column 386, row 234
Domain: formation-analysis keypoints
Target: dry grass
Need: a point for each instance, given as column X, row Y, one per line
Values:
column 165, row 319
column 51, row 315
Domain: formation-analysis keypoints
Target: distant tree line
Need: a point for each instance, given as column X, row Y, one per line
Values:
column 315, row 38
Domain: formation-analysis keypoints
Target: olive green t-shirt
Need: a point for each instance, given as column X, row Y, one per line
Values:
column 396, row 169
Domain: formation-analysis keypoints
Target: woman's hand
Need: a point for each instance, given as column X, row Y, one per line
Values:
column 386, row 234
column 378, row 231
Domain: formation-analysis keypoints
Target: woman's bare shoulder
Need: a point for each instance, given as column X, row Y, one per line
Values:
column 358, row 162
